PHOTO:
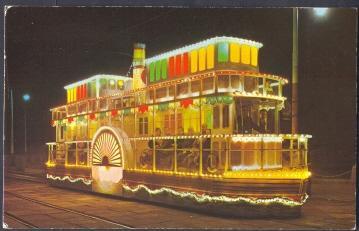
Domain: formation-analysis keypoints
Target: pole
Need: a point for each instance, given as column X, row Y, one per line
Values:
column 295, row 73
column 12, row 122
column 25, row 134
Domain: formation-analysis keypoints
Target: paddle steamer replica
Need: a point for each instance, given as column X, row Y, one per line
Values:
column 197, row 127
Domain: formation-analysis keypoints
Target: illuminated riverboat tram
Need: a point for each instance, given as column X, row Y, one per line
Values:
column 198, row 127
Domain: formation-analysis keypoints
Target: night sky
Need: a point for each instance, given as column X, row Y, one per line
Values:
column 48, row 48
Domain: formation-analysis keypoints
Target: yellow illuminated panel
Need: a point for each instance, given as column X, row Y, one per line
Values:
column 139, row 54
column 234, row 55
column 202, row 59
column 254, row 56
column 269, row 174
column 194, row 61
column 210, row 56
column 68, row 96
column 245, row 54
column 74, row 94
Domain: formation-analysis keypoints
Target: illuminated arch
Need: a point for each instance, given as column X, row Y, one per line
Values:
column 111, row 144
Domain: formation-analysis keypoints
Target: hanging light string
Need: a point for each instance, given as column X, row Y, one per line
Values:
column 207, row 198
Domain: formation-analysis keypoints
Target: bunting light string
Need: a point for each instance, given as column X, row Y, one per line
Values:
column 207, row 198
column 70, row 179
column 235, row 137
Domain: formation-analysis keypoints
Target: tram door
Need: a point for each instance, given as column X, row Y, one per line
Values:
column 107, row 161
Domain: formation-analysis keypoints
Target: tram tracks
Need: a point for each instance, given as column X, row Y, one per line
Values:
column 20, row 220
column 92, row 217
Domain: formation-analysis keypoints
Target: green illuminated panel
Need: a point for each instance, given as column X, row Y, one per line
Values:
column 164, row 68
column 158, row 70
column 222, row 52
column 152, row 72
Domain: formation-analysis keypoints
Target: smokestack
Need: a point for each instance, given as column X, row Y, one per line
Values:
column 139, row 55
column 138, row 64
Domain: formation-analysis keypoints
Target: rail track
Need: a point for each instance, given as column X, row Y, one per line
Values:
column 20, row 220
column 39, row 180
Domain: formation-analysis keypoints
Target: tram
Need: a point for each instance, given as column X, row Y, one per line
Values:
column 196, row 127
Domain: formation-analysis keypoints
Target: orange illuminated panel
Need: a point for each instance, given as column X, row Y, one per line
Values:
column 178, row 65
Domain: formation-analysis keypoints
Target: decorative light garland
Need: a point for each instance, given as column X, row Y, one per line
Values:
column 235, row 137
column 172, row 173
column 207, row 198
column 70, row 179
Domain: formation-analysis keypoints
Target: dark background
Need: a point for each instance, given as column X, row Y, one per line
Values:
column 48, row 48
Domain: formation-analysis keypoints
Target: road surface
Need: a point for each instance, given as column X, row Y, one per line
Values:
column 37, row 205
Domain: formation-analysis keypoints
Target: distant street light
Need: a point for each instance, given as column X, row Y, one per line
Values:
column 320, row 12
column 26, row 98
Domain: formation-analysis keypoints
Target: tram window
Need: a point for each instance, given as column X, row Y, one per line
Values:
column 112, row 84
column 236, row 82
column 182, row 89
column 250, row 84
column 169, row 124
column 82, row 107
column 82, row 152
column 129, row 124
column 126, row 102
column 144, row 153
column 179, row 123
column 54, row 115
column 71, row 109
column 150, row 96
column 71, row 154
column 223, row 82
column 93, row 126
column 143, row 126
column 103, row 104
column 208, row 84
column 92, row 105
column 271, row 87
column 62, row 115
column 195, row 87
column 261, row 85
column 140, row 98
column 62, row 128
column 216, row 113
column 81, row 131
column 270, row 121
column 225, row 116
column 161, row 92
column 164, row 152
column 103, row 87
column 117, row 104
column 171, row 91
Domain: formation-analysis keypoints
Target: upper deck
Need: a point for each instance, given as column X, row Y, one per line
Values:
column 216, row 66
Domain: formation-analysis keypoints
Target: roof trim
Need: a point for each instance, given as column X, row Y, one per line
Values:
column 98, row 76
column 202, row 44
